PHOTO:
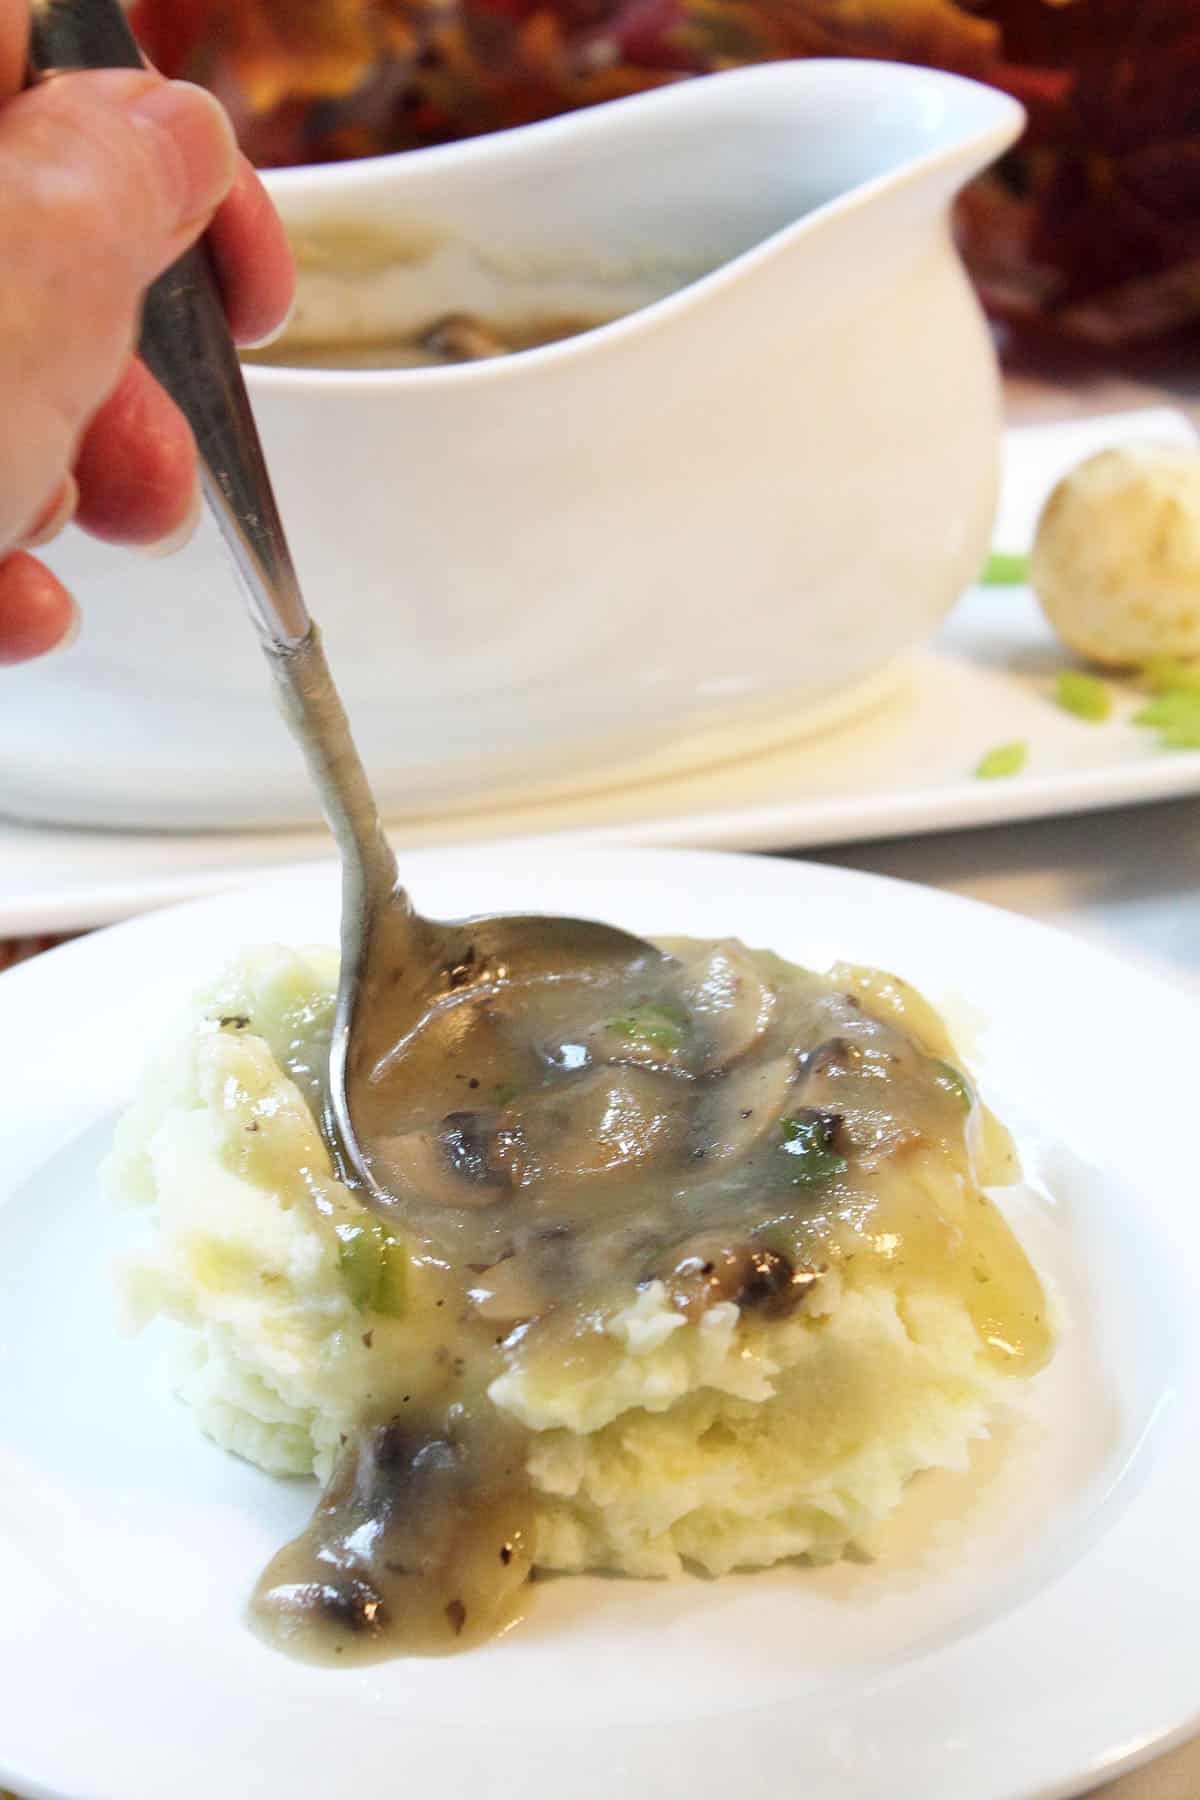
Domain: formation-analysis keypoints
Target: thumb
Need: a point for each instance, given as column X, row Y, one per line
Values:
column 105, row 178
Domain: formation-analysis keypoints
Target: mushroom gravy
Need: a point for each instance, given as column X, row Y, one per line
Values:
column 722, row 1123
column 453, row 338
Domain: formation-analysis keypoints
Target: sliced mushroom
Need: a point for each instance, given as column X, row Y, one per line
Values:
column 469, row 1144
column 461, row 337
column 843, row 1070
column 649, row 1029
column 731, row 1004
column 714, row 1268
column 894, row 1002
column 605, row 1120
column 508, row 1292
column 734, row 1113
column 841, row 1077
column 871, row 1135
column 459, row 1164
column 834, row 1056
column 646, row 1035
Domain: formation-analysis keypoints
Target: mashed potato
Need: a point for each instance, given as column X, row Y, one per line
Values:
column 718, row 1438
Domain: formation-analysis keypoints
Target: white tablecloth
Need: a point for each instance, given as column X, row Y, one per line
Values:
column 1128, row 880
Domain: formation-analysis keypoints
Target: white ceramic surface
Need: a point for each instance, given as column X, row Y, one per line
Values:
column 1029, row 1630
column 711, row 518
column 906, row 766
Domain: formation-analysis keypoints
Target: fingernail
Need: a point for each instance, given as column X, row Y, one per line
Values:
column 183, row 532
column 198, row 148
column 272, row 337
column 59, row 514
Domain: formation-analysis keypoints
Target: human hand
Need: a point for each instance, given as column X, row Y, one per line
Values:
column 105, row 178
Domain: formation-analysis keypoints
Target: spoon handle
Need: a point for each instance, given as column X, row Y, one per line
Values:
column 186, row 343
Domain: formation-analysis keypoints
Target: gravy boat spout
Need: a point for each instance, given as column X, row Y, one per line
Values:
column 715, row 519
column 598, row 215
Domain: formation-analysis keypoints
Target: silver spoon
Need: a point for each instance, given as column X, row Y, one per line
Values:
column 399, row 971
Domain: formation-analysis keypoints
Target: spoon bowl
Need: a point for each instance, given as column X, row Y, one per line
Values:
column 415, row 990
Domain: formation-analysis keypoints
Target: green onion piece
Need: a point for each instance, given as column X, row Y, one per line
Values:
column 506, row 1092
column 1084, row 695
column 1176, row 708
column 358, row 1259
column 1005, row 759
column 393, row 1283
column 1176, row 717
column 953, row 1081
column 807, row 1144
column 1167, row 675
column 1005, row 568
column 372, row 1263
column 651, row 1025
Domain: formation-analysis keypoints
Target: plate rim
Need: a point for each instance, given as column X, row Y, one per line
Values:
column 740, row 830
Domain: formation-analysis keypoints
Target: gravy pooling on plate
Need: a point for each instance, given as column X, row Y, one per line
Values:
column 727, row 1125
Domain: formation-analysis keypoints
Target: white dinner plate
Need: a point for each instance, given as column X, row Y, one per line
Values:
column 903, row 763
column 1029, row 1628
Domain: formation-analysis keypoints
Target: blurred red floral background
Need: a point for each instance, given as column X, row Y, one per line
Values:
column 1089, row 229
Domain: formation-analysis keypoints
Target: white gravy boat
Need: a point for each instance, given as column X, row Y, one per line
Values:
column 715, row 522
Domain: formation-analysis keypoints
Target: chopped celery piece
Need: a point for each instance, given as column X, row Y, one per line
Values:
column 372, row 1262
column 651, row 1025
column 1176, row 708
column 393, row 1281
column 1176, row 717
column 807, row 1142
column 952, row 1081
column 1005, row 568
column 1167, row 675
column 1084, row 695
column 1005, row 759
column 358, row 1258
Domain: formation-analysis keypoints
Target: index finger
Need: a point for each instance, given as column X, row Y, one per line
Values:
column 254, row 262
column 14, row 46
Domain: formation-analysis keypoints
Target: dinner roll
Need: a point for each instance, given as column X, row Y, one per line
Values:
column 1116, row 557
